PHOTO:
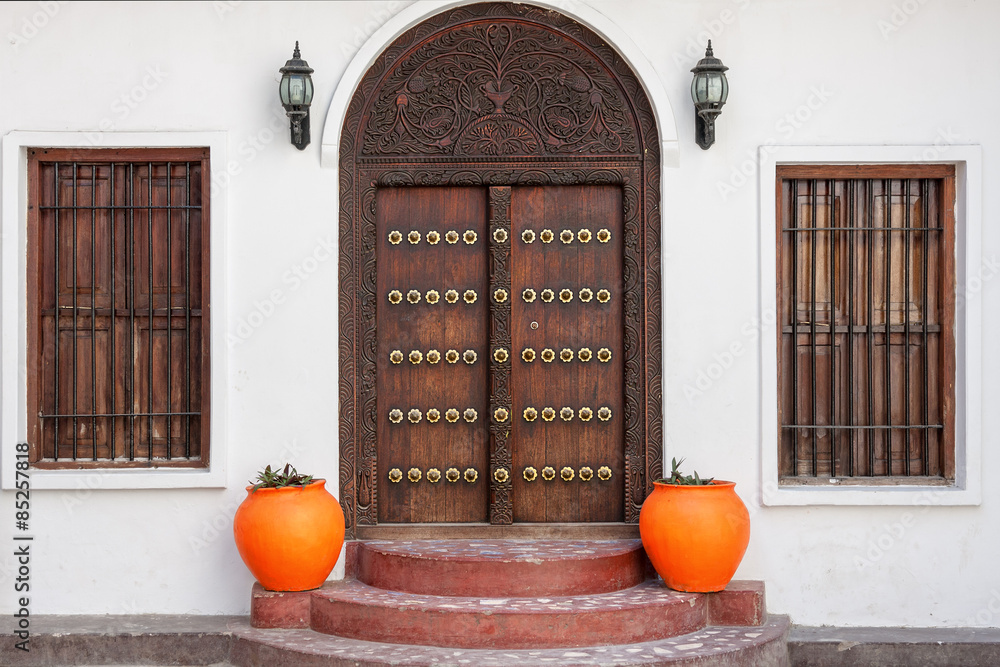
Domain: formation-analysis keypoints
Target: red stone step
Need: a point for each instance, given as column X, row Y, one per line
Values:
column 502, row 568
column 762, row 646
column 648, row 611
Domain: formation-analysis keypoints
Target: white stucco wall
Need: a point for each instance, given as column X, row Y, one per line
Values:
column 849, row 72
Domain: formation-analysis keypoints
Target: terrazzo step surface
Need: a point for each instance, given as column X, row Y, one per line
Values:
column 648, row 611
column 758, row 646
column 500, row 568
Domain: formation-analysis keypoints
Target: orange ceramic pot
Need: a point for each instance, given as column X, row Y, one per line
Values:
column 291, row 537
column 695, row 536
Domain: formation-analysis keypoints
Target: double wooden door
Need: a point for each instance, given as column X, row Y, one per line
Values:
column 500, row 354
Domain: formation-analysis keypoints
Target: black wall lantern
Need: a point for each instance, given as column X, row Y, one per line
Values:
column 296, row 90
column 709, row 90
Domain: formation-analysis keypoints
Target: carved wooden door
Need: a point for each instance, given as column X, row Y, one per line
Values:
column 499, row 354
column 503, row 120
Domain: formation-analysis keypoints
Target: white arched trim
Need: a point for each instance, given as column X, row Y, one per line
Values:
column 423, row 9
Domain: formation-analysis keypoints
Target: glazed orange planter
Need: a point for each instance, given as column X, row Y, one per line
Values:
column 290, row 538
column 695, row 536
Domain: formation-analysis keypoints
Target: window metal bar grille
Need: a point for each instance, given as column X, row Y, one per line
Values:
column 114, row 273
column 874, row 408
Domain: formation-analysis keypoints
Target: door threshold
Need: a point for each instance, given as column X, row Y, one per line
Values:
column 517, row 531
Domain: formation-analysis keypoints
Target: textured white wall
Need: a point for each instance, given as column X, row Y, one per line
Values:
column 825, row 72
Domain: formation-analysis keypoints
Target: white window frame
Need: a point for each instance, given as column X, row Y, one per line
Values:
column 13, row 314
column 967, row 487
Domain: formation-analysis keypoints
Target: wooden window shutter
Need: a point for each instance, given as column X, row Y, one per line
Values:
column 866, row 349
column 118, row 353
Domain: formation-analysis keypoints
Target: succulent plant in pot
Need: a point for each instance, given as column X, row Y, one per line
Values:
column 289, row 530
column 695, row 531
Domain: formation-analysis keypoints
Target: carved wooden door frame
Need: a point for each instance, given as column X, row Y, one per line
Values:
column 498, row 94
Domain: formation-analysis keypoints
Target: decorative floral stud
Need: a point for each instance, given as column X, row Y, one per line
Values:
column 584, row 354
column 469, row 357
column 548, row 355
column 586, row 474
column 500, row 235
column 416, row 357
column 433, row 238
column 548, row 473
column 452, row 475
column 528, row 295
column 395, row 415
column 603, row 296
column 413, row 296
column 396, row 356
column 500, row 295
column 395, row 475
column 586, row 294
column 604, row 236
column 413, row 237
column 395, row 296
column 433, row 415
column 501, row 475
column 548, row 414
column 530, row 474
column 528, row 354
column 548, row 295
column 604, row 473
column 566, row 414
column 585, row 414
column 414, row 475
column 546, row 236
column 567, row 474
column 451, row 296
column 566, row 295
column 471, row 475
column 604, row 355
column 470, row 296
column 566, row 236
column 528, row 236
column 470, row 415
column 451, row 356
column 530, row 414
column 451, row 236
column 395, row 237
column 414, row 416
column 432, row 296
column 433, row 475
column 500, row 355
column 566, row 355
column 451, row 414
column 433, row 356
column 604, row 414
column 469, row 237
column 583, row 235
column 500, row 415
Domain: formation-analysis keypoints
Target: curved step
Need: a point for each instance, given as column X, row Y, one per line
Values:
column 763, row 646
column 646, row 612
column 500, row 568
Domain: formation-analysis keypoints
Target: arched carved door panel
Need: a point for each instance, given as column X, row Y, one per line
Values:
column 497, row 120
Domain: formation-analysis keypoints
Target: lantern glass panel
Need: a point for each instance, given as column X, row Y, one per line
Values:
column 709, row 88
